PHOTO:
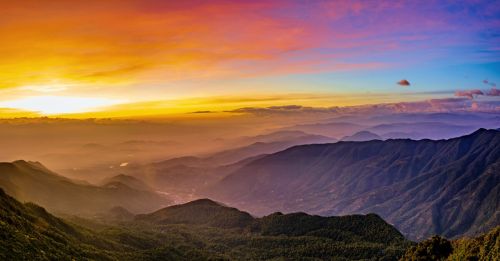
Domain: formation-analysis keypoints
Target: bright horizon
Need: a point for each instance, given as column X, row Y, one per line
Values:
column 142, row 58
column 249, row 129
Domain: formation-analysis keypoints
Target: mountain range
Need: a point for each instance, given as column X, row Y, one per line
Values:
column 31, row 181
column 186, row 232
column 448, row 187
column 189, row 174
column 208, row 230
column 423, row 187
column 402, row 125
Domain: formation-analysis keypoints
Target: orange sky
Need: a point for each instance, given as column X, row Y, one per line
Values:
column 135, row 57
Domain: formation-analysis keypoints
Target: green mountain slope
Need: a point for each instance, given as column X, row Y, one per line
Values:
column 28, row 232
column 348, row 229
column 353, row 228
column 200, row 212
column 485, row 247
column 205, row 230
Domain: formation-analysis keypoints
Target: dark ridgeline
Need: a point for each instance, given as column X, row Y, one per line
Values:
column 425, row 187
column 352, row 228
column 199, row 212
column 199, row 230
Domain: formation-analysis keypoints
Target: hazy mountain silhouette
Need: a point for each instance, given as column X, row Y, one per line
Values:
column 449, row 187
column 284, row 135
column 403, row 125
column 127, row 180
column 362, row 136
column 189, row 174
column 259, row 147
column 330, row 129
column 422, row 130
column 31, row 181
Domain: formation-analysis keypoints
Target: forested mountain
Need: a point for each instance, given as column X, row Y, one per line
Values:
column 200, row 212
column 28, row 232
column 485, row 247
column 352, row 228
column 449, row 187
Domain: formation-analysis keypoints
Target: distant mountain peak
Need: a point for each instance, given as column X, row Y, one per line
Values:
column 483, row 130
column 362, row 136
column 204, row 201
column 22, row 162
column 127, row 180
column 478, row 133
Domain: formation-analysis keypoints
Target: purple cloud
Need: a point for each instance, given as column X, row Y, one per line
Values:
column 489, row 83
column 493, row 92
column 469, row 93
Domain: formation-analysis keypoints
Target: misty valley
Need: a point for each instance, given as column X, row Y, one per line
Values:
column 280, row 130
column 293, row 193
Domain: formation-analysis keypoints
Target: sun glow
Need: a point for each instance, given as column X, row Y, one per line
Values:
column 50, row 105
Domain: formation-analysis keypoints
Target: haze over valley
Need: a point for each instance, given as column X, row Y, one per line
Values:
column 250, row 130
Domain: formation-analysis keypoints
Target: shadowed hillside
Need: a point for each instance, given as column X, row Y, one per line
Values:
column 31, row 181
column 194, row 231
column 199, row 212
column 28, row 232
column 448, row 187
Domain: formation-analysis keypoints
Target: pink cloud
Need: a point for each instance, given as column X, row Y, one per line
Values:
column 493, row 92
column 471, row 94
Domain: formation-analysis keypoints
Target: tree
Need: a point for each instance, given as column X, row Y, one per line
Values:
column 433, row 249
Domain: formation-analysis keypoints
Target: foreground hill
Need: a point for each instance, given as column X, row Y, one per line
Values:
column 482, row 248
column 31, row 181
column 200, row 212
column 449, row 187
column 353, row 228
column 28, row 232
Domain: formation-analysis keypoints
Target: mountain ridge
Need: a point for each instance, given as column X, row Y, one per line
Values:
column 356, row 177
column 31, row 181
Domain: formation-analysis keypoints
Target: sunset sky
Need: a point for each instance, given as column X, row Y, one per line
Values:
column 130, row 58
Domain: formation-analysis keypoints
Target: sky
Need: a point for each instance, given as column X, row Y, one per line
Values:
column 135, row 58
